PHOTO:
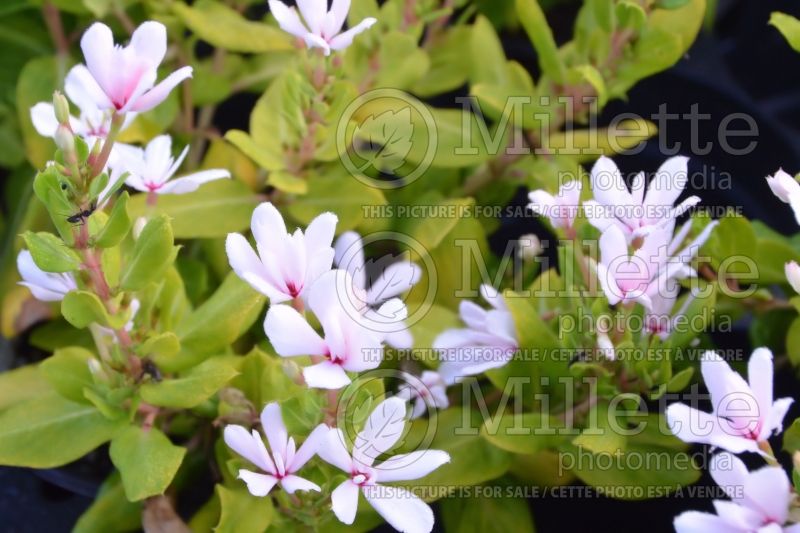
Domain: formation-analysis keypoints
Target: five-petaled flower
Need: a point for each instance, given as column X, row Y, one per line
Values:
column 561, row 208
column 122, row 78
column 635, row 213
column 322, row 28
column 744, row 414
column 45, row 286
column 760, row 501
column 394, row 280
column 489, row 340
column 151, row 169
column 348, row 345
column 429, row 390
column 286, row 265
column 401, row 508
column 286, row 459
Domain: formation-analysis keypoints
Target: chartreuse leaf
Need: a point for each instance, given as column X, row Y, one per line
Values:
column 160, row 346
column 533, row 21
column 789, row 28
column 262, row 379
column 241, row 512
column 223, row 27
column 696, row 318
column 449, row 65
column 524, row 433
column 489, row 60
column 146, row 460
column 50, row 253
column 192, row 388
column 21, row 384
column 67, row 370
column 791, row 437
column 81, row 308
column 793, row 342
column 214, row 210
column 409, row 62
column 476, row 514
column 110, row 511
column 152, row 254
column 600, row 437
column 49, row 431
column 47, row 185
column 36, row 83
column 118, row 224
column 219, row 321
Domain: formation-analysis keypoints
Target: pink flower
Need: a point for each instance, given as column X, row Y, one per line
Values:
column 562, row 208
column 743, row 415
column 640, row 276
column 395, row 279
column 760, row 501
column 286, row 459
column 636, row 213
column 659, row 319
column 347, row 345
column 429, row 390
column 400, row 507
column 123, row 78
column 322, row 28
column 489, row 340
column 286, row 265
column 151, row 169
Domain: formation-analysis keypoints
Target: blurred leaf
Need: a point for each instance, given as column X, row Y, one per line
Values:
column 789, row 27
column 146, row 459
column 28, row 431
column 540, row 34
column 524, row 433
column 152, row 254
column 110, row 512
column 476, row 514
column 118, row 224
column 241, row 512
column 67, row 370
column 36, row 83
column 50, row 253
column 190, row 389
column 21, row 384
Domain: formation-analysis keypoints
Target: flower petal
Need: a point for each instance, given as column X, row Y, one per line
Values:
column 290, row 334
column 291, row 484
column 80, row 80
column 245, row 444
column 383, row 428
column 325, row 375
column 287, row 18
column 43, row 116
column 759, row 375
column 258, row 484
column 398, row 278
column 273, row 427
column 333, row 451
column 159, row 93
column 697, row 522
column 149, row 41
column 309, row 447
column 400, row 508
column 768, row 490
column 344, row 502
column 345, row 39
column 247, row 265
column 409, row 466
column 349, row 255
column 97, row 44
column 192, row 182
column 668, row 183
column 314, row 12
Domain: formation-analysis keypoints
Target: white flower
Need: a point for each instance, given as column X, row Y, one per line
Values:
column 397, row 278
column 429, row 391
column 347, row 345
column 286, row 265
column 793, row 275
column 562, row 208
column 659, row 319
column 400, row 507
column 44, row 286
column 322, row 28
column 123, row 78
column 489, row 340
column 286, row 459
column 744, row 414
column 784, row 186
column 760, row 501
column 151, row 169
column 647, row 272
column 634, row 212
column 92, row 125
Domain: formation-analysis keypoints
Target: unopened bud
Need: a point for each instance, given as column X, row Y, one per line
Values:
column 138, row 226
column 793, row 275
column 65, row 139
column 61, row 106
column 529, row 246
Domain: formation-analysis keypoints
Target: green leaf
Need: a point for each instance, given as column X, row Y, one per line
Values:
column 81, row 308
column 191, row 389
column 118, row 224
column 600, row 436
column 221, row 319
column 50, row 253
column 409, row 62
column 476, row 514
column 36, row 83
column 488, row 58
column 47, row 185
column 793, row 342
column 67, row 370
column 533, row 21
column 153, row 253
column 791, row 437
column 386, row 140
column 214, row 210
column 163, row 345
column 524, row 433
column 630, row 15
column 110, row 512
column 449, row 65
column 671, row 4
column 50, row 431
column 223, row 27
column 146, row 460
column 241, row 512
column 262, row 379
column 789, row 27
column 21, row 384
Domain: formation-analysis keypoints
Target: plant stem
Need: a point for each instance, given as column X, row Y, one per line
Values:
column 96, row 165
column 765, row 447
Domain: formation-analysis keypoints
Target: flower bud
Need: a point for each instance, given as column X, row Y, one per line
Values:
column 138, row 226
column 793, row 275
column 529, row 246
column 61, row 107
column 65, row 139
